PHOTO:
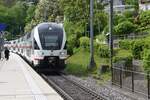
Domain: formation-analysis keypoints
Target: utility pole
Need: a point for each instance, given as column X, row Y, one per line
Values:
column 92, row 62
column 45, row 14
column 111, row 37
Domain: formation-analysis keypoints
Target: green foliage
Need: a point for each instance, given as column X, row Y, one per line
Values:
column 144, row 20
column 30, row 13
column 126, row 44
column 46, row 10
column 146, row 60
column 123, row 55
column 103, row 51
column 72, row 43
column 129, row 15
column 84, row 42
column 76, row 15
column 135, row 3
column 106, row 29
column 119, row 18
column 125, row 27
column 147, row 43
column 100, row 22
column 14, row 16
column 101, row 38
column 137, row 48
column 8, row 3
column 77, row 63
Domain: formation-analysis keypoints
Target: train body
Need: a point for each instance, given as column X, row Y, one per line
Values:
column 44, row 47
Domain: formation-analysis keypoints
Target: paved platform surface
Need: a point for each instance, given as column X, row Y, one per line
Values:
column 18, row 81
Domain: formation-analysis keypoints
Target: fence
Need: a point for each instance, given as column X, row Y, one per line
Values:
column 134, row 81
column 130, row 36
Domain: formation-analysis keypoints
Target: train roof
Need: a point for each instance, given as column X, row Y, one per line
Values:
column 51, row 24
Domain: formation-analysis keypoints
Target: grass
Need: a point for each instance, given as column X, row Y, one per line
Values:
column 77, row 65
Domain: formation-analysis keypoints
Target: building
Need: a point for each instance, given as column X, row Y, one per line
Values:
column 119, row 6
column 144, row 4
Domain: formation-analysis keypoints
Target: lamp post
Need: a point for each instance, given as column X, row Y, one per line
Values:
column 92, row 63
column 111, row 37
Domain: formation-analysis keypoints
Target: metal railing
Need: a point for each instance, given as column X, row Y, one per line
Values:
column 129, row 36
column 132, row 80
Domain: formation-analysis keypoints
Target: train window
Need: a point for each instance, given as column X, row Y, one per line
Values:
column 28, row 35
column 36, row 45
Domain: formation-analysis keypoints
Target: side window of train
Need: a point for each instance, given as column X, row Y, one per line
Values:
column 36, row 45
column 28, row 35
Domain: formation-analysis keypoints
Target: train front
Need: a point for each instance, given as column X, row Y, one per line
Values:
column 49, row 46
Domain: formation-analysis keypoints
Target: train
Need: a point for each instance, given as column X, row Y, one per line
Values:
column 44, row 47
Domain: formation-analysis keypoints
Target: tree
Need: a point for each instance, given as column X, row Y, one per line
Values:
column 30, row 13
column 77, row 12
column 46, row 10
column 125, row 27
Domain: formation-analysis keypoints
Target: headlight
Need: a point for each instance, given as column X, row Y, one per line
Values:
column 62, row 53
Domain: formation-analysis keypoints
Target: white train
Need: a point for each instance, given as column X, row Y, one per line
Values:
column 44, row 47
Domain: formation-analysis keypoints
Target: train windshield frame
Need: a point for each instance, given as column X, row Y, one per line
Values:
column 51, row 37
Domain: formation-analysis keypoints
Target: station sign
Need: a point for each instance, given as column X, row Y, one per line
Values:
column 3, row 26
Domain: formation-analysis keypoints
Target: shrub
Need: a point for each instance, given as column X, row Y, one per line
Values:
column 144, row 19
column 145, row 47
column 96, row 45
column 71, row 43
column 137, row 49
column 69, row 49
column 124, row 55
column 147, row 43
column 103, row 51
column 84, row 42
column 146, row 60
column 126, row 44
column 125, row 27
column 101, row 38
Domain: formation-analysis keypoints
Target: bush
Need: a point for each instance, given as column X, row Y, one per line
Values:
column 124, row 55
column 146, row 60
column 147, row 43
column 144, row 19
column 84, row 42
column 125, row 27
column 145, row 47
column 71, row 43
column 103, row 51
column 70, row 50
column 137, row 49
column 126, row 44
column 101, row 38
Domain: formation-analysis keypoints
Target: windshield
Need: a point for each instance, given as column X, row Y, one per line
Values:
column 51, row 39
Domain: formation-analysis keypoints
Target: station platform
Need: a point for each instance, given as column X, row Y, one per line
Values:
column 18, row 81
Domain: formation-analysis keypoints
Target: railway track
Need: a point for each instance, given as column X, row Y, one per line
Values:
column 71, row 90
